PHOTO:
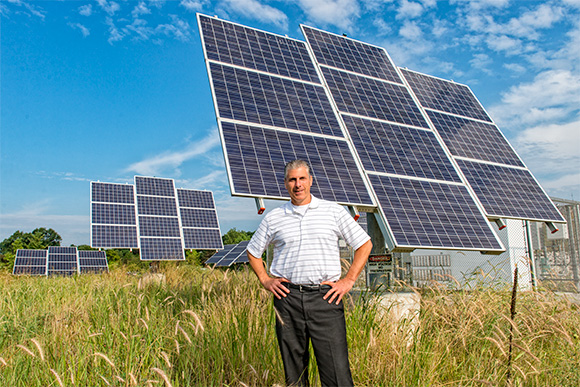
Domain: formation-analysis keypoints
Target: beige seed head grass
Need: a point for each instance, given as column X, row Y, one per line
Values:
column 460, row 338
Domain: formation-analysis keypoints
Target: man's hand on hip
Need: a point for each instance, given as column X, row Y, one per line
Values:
column 275, row 286
column 338, row 290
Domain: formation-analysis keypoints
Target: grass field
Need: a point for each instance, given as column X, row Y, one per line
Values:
column 205, row 327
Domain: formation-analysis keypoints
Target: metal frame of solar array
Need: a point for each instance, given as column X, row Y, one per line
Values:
column 271, row 108
column 423, row 201
column 153, row 216
column 498, row 177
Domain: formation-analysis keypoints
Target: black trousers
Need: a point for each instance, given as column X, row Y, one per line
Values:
column 303, row 316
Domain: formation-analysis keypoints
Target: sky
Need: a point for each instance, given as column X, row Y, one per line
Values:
column 108, row 89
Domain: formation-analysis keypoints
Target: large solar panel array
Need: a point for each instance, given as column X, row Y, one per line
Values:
column 59, row 260
column 498, row 177
column 421, row 196
column 272, row 108
column 230, row 255
column 155, row 217
column 384, row 152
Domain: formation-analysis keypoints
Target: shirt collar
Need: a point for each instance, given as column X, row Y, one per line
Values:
column 289, row 207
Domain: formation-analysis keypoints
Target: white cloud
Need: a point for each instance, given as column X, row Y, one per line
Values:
column 382, row 27
column 340, row 13
column 110, row 7
column 210, row 180
column 411, row 31
column 553, row 94
column 409, row 10
column 78, row 26
column 481, row 61
column 255, row 10
column 515, row 67
column 173, row 160
column 527, row 24
column 86, row 10
column 140, row 9
column 115, row 34
column 192, row 5
column 178, row 28
column 504, row 43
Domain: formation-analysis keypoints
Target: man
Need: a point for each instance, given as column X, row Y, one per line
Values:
column 305, row 277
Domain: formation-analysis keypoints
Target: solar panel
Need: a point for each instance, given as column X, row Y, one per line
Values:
column 422, row 199
column 509, row 192
column 160, row 235
column 91, row 261
column 31, row 262
column 257, row 156
column 272, row 101
column 446, row 96
column 351, row 55
column 474, row 139
column 261, row 111
column 400, row 150
column 113, row 218
column 246, row 47
column 218, row 256
column 62, row 261
column 235, row 254
column 501, row 182
column 199, row 220
column 373, row 98
column 426, row 213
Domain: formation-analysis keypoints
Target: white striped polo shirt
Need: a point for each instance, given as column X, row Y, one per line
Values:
column 306, row 249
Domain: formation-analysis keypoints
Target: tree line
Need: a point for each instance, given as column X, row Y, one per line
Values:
column 42, row 238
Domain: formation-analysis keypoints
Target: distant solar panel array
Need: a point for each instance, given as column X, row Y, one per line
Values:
column 419, row 149
column 57, row 260
column 155, row 217
column 231, row 254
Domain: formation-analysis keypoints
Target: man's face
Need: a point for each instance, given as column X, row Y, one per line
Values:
column 298, row 183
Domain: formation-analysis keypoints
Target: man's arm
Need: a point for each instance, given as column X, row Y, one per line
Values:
column 272, row 284
column 343, row 286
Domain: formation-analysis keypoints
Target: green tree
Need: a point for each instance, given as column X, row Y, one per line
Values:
column 40, row 238
column 236, row 236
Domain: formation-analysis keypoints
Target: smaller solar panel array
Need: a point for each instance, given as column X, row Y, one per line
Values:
column 155, row 217
column 58, row 260
column 230, row 255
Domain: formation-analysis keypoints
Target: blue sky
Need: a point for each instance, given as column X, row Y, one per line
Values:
column 105, row 90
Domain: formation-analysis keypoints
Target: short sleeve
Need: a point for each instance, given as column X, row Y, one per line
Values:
column 260, row 240
column 352, row 232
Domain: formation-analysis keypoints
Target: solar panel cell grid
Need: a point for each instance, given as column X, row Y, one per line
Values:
column 200, row 238
column 399, row 150
column 155, row 205
column 262, row 99
column 474, row 139
column 337, row 51
column 369, row 97
column 29, row 270
column 446, row 96
column 191, row 217
column 112, row 193
column 161, row 249
column 154, row 186
column 218, row 256
column 104, row 213
column 257, row 156
column 122, row 237
column 158, row 226
column 433, row 215
column 195, row 199
column 62, row 260
column 509, row 192
column 250, row 48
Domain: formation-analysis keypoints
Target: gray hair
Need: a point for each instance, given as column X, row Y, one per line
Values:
column 295, row 164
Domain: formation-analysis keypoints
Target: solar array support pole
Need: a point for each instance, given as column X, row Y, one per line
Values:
column 378, row 241
column 261, row 207
column 552, row 227
column 354, row 212
column 532, row 261
column 500, row 224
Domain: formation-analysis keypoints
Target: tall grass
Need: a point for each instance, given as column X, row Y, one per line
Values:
column 205, row 327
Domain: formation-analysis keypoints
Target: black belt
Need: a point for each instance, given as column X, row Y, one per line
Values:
column 306, row 288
